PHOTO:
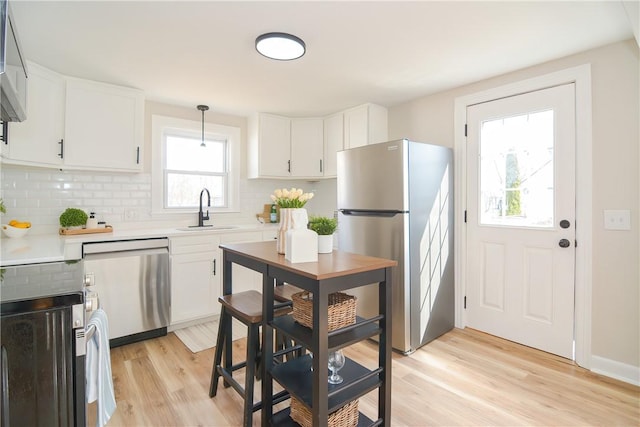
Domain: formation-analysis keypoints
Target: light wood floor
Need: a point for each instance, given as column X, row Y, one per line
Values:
column 464, row 378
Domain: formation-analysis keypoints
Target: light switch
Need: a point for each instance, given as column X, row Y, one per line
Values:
column 617, row 220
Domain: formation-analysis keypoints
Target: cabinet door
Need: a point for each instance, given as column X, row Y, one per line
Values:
column 356, row 131
column 104, row 126
column 307, row 147
column 274, row 145
column 39, row 139
column 195, row 286
column 333, row 142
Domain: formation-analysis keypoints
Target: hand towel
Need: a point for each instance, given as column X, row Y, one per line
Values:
column 98, row 363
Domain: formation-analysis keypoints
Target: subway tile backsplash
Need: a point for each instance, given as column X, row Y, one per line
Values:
column 40, row 195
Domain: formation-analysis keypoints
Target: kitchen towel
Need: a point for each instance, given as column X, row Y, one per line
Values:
column 99, row 380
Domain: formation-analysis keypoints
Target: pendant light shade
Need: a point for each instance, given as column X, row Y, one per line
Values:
column 280, row 46
column 203, row 108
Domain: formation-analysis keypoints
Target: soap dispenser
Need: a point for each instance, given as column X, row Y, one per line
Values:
column 92, row 222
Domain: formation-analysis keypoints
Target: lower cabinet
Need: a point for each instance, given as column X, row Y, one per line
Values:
column 196, row 274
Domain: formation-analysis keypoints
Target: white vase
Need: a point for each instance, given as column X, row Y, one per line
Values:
column 287, row 223
column 325, row 244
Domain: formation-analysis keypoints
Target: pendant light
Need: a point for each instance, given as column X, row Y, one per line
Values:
column 280, row 46
column 203, row 108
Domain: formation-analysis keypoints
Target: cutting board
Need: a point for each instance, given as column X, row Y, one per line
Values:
column 68, row 232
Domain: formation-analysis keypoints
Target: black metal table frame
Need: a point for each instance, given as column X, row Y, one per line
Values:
column 272, row 274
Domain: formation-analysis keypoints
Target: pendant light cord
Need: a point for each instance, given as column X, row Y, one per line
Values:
column 202, row 108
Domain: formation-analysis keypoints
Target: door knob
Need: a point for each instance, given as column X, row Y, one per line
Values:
column 564, row 243
column 565, row 224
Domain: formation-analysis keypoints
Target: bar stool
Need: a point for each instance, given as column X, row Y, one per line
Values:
column 247, row 308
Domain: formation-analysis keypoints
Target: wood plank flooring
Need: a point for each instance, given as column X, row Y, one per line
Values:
column 464, row 378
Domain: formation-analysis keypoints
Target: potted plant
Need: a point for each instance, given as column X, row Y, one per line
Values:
column 325, row 227
column 73, row 217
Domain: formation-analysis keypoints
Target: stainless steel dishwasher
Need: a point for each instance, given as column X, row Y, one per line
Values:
column 132, row 279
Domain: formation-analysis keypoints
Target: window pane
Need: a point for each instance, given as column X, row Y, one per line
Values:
column 184, row 153
column 183, row 190
column 516, row 171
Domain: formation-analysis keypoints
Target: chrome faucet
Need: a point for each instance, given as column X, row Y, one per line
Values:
column 201, row 216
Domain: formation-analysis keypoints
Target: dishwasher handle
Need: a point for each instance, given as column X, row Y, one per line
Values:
column 124, row 245
column 122, row 254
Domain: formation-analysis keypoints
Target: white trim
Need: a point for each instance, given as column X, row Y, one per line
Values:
column 613, row 369
column 213, row 131
column 581, row 76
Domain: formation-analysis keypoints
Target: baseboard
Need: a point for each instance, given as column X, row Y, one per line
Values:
column 620, row 371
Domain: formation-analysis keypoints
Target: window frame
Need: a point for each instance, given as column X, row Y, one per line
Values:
column 163, row 125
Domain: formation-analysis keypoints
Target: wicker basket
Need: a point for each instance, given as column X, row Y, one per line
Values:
column 347, row 416
column 341, row 307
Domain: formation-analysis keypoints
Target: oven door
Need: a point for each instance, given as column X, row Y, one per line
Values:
column 39, row 365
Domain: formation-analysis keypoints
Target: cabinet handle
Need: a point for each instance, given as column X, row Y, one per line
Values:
column 137, row 155
column 320, row 165
column 61, row 154
column 5, row 386
column 289, row 166
column 214, row 267
column 5, row 132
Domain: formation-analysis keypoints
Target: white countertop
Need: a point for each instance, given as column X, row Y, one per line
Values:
column 42, row 248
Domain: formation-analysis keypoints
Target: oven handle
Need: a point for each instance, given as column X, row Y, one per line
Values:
column 5, row 387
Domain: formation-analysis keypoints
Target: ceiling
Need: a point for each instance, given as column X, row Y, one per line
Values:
column 202, row 52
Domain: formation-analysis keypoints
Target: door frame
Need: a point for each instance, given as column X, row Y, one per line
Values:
column 581, row 77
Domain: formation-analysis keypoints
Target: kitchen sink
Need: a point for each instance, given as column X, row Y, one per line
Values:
column 208, row 227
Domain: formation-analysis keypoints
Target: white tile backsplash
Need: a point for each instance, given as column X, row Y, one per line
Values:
column 124, row 200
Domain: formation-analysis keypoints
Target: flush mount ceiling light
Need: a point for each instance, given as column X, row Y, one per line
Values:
column 203, row 108
column 280, row 46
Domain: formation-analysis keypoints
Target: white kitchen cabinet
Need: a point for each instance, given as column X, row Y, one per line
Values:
column 333, row 142
column 307, row 151
column 244, row 279
column 104, row 126
column 196, row 274
column 39, row 140
column 269, row 146
column 77, row 124
column 281, row 147
column 365, row 124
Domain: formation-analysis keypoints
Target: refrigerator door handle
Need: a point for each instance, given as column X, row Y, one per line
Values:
column 385, row 214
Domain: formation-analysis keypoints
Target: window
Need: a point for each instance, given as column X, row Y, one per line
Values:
column 183, row 165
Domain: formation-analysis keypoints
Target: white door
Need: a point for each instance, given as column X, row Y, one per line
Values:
column 521, row 218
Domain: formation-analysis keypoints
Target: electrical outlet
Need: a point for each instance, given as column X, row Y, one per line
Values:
column 130, row 214
column 617, row 220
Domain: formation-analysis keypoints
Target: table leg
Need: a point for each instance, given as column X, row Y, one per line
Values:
column 267, row 349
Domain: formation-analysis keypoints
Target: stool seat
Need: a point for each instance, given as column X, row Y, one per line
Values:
column 284, row 292
column 247, row 306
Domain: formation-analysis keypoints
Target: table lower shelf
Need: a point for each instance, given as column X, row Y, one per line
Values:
column 296, row 377
column 283, row 419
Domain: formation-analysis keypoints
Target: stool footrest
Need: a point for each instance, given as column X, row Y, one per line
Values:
column 230, row 380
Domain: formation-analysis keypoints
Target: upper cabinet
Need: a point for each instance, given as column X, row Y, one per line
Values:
column 306, row 148
column 39, row 140
column 363, row 125
column 307, row 153
column 77, row 124
column 280, row 147
column 104, row 126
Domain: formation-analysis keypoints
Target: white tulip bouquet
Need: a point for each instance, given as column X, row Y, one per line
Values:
column 293, row 198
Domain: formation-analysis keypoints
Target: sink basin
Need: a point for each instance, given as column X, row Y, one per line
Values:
column 208, row 227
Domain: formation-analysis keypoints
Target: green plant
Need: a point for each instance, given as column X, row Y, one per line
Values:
column 323, row 225
column 2, row 208
column 73, row 217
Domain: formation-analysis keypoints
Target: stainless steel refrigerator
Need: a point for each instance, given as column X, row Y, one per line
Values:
column 395, row 200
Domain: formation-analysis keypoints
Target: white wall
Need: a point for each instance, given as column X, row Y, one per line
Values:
column 616, row 182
